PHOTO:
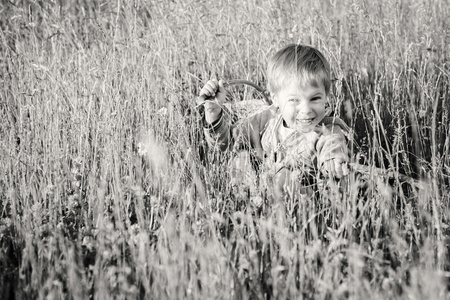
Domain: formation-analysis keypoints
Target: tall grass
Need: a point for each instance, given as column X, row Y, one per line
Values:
column 105, row 189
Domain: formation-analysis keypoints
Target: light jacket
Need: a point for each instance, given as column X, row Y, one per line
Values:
column 258, row 134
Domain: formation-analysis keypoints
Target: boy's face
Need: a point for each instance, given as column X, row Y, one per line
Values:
column 302, row 107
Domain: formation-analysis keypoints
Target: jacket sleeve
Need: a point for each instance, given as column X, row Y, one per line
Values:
column 332, row 144
column 218, row 135
column 231, row 133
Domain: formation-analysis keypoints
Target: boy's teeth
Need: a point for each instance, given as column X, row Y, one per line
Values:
column 304, row 120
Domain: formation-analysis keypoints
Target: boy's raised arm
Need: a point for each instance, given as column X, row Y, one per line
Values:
column 216, row 119
column 212, row 97
column 221, row 126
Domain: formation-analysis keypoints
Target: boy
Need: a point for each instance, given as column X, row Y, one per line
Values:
column 294, row 139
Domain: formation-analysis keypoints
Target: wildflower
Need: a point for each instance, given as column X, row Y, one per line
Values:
column 162, row 111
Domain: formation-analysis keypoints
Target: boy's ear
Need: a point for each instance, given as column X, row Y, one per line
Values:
column 274, row 100
column 328, row 109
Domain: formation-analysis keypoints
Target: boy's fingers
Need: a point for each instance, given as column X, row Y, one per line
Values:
column 337, row 168
column 212, row 84
column 204, row 94
column 212, row 89
column 209, row 90
column 221, row 87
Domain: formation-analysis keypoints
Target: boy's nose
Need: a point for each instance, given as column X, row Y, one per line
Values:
column 304, row 108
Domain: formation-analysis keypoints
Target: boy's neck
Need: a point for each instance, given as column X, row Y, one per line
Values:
column 283, row 131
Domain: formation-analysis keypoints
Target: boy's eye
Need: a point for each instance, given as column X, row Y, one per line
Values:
column 293, row 100
column 316, row 99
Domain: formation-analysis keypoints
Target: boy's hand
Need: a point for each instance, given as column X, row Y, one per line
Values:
column 212, row 96
column 335, row 168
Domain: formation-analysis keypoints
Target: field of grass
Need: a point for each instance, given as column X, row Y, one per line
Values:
column 105, row 189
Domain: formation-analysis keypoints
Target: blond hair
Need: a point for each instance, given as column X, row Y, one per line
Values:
column 305, row 64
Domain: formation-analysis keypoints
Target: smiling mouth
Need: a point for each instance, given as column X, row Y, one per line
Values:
column 305, row 121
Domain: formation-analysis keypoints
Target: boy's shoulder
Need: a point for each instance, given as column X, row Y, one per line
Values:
column 254, row 119
column 250, row 108
column 261, row 117
column 253, row 111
